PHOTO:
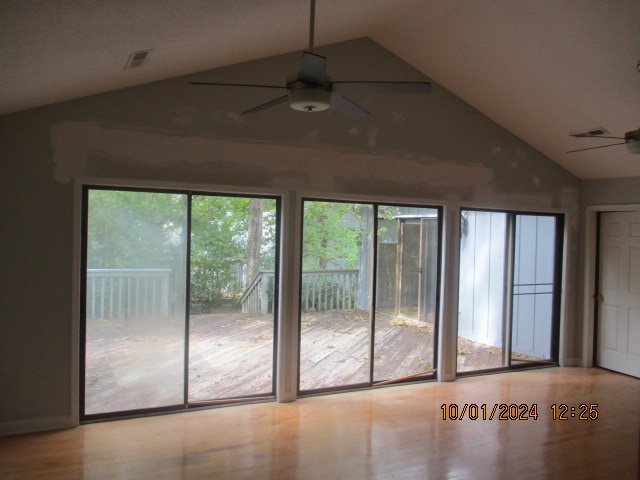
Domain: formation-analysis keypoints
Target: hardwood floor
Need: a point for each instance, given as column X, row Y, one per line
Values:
column 395, row 432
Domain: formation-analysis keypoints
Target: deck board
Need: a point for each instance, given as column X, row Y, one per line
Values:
column 131, row 366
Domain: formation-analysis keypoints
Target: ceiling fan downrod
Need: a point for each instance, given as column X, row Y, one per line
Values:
column 312, row 21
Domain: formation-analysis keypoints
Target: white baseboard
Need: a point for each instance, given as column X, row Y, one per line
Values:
column 36, row 425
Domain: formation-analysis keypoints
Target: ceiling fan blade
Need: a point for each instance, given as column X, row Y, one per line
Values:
column 366, row 88
column 593, row 148
column 237, row 85
column 313, row 69
column 269, row 104
column 595, row 136
column 348, row 107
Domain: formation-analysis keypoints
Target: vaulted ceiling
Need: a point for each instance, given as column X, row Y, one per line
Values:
column 540, row 68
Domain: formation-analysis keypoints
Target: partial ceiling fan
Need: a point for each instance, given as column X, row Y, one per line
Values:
column 312, row 90
column 631, row 139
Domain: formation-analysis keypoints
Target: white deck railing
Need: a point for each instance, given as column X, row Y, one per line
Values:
column 145, row 293
column 123, row 293
column 321, row 290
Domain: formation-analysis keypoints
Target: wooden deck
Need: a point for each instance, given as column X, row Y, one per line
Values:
column 335, row 349
column 136, row 364
column 133, row 365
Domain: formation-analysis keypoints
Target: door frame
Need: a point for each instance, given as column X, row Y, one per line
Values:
column 591, row 281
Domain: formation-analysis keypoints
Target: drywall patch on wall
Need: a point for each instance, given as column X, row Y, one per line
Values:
column 421, row 145
column 93, row 149
column 69, row 157
column 90, row 149
column 570, row 196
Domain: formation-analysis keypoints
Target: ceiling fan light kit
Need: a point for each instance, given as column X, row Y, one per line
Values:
column 309, row 99
column 633, row 147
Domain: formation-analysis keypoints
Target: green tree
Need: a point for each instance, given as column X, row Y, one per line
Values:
column 332, row 235
column 218, row 246
column 128, row 229
column 254, row 238
column 231, row 239
column 134, row 230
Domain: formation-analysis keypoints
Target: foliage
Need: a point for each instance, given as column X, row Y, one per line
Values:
column 387, row 212
column 136, row 230
column 129, row 230
column 218, row 225
column 332, row 234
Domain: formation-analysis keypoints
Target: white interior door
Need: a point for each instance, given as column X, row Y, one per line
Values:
column 619, row 306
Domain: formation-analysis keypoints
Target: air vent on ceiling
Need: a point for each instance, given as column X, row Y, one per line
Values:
column 592, row 132
column 136, row 59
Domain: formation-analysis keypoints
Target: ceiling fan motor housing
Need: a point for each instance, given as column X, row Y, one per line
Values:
column 632, row 141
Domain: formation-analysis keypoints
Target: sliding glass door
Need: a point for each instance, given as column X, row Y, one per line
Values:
column 134, row 320
column 178, row 299
column 535, row 289
column 368, row 297
column 406, row 304
column 231, row 321
column 335, row 321
column 483, row 280
column 509, row 286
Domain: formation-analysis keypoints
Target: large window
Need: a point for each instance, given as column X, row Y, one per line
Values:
column 179, row 296
column 368, row 298
column 178, row 299
column 508, row 289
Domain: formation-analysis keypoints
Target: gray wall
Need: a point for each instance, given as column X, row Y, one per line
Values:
column 611, row 191
column 432, row 148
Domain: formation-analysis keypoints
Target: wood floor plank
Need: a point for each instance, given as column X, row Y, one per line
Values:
column 395, row 432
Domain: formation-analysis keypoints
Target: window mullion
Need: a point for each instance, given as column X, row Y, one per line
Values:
column 508, row 297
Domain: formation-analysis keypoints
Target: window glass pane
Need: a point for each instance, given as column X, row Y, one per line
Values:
column 231, row 324
column 533, row 288
column 135, row 300
column 482, row 286
column 407, row 247
column 335, row 294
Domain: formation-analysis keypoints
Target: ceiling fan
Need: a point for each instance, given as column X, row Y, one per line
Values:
column 312, row 90
column 631, row 139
